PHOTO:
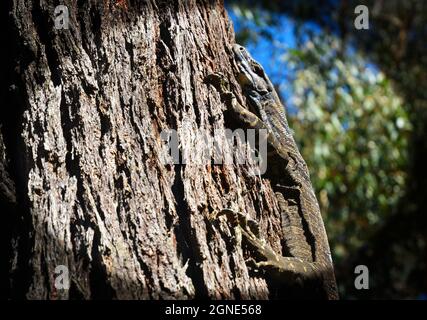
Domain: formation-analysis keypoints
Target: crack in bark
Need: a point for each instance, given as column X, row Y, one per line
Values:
column 187, row 243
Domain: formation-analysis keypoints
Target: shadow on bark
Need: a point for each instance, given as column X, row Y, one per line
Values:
column 82, row 140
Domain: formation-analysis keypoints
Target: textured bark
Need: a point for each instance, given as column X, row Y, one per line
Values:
column 88, row 105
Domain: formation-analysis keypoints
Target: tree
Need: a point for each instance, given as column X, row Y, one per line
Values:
column 82, row 145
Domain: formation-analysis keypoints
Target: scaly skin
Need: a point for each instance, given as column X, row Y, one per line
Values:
column 302, row 225
column 282, row 268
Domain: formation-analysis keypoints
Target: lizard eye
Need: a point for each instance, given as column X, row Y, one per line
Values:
column 258, row 70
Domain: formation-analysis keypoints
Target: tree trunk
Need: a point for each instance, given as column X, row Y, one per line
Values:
column 83, row 148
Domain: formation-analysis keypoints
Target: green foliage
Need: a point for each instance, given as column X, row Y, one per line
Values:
column 352, row 126
column 353, row 131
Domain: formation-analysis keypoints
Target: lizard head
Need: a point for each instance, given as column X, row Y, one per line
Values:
column 251, row 75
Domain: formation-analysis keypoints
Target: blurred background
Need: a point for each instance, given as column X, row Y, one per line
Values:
column 357, row 102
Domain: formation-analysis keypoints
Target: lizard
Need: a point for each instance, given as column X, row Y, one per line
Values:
column 305, row 238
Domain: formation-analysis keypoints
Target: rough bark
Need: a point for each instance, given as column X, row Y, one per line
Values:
column 88, row 105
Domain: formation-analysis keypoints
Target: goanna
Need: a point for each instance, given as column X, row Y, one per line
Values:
column 305, row 238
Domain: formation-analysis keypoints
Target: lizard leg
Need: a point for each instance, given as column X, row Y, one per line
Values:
column 289, row 267
column 248, row 118
column 292, row 268
column 276, row 263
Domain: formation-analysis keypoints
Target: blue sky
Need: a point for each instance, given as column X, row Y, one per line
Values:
column 263, row 50
column 268, row 51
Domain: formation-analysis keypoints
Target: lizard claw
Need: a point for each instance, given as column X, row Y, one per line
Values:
column 253, row 266
column 218, row 80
